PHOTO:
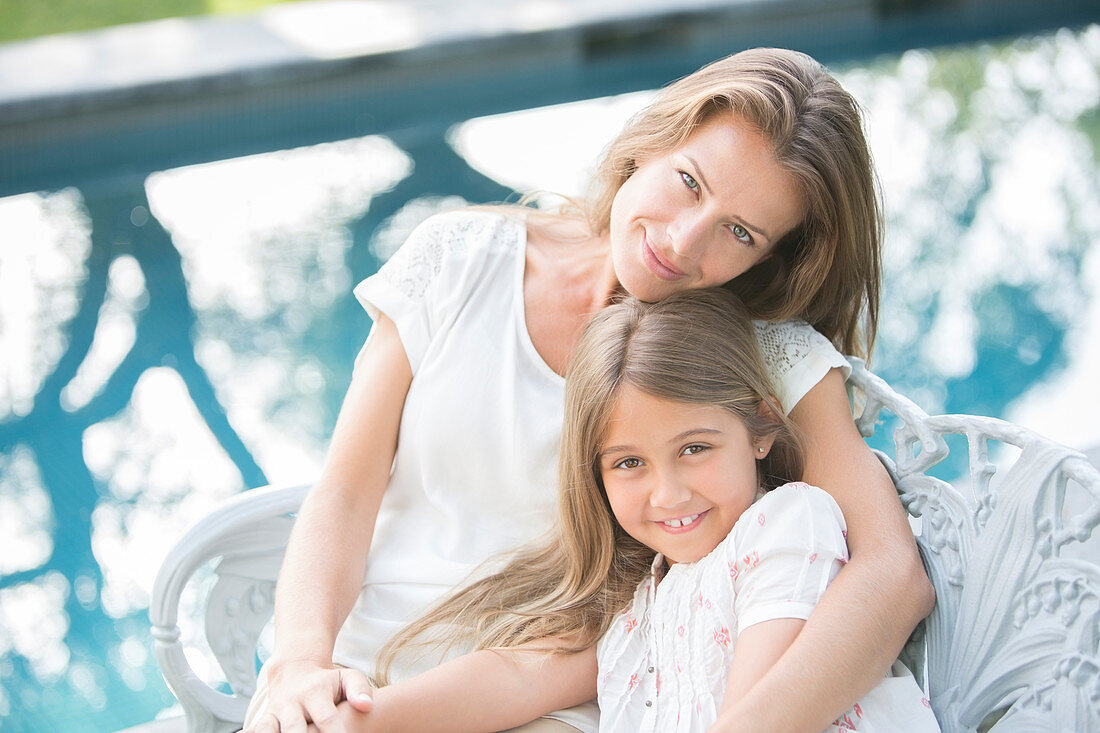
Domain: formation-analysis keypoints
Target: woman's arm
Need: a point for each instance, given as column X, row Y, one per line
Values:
column 326, row 557
column 488, row 690
column 867, row 613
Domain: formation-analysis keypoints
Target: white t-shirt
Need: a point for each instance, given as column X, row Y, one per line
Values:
column 476, row 463
column 664, row 661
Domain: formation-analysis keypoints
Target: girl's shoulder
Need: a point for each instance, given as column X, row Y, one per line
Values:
column 798, row 493
column 794, row 513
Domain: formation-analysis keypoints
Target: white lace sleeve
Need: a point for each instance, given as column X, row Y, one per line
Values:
column 418, row 279
column 797, row 357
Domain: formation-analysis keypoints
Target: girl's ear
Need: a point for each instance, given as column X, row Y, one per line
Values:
column 763, row 445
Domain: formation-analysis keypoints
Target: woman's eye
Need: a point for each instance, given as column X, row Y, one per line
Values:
column 741, row 233
column 692, row 450
column 689, row 181
column 628, row 463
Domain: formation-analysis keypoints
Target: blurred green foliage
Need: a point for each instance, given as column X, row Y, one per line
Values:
column 21, row 19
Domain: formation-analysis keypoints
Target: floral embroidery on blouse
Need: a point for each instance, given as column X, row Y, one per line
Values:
column 844, row 722
column 722, row 636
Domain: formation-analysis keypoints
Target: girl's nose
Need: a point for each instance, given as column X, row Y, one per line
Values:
column 668, row 492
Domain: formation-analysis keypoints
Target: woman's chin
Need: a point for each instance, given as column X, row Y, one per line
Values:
column 644, row 286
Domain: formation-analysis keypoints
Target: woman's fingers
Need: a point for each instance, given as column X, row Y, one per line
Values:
column 266, row 723
column 321, row 711
column 357, row 689
column 306, row 700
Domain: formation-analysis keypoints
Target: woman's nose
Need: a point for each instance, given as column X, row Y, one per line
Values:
column 687, row 233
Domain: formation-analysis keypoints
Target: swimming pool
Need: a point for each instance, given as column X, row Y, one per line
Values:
column 198, row 343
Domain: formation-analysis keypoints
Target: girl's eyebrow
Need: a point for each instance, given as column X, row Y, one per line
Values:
column 702, row 180
column 692, row 432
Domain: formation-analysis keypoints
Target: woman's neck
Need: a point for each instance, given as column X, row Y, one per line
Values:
column 568, row 278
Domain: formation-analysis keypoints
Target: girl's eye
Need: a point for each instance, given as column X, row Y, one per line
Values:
column 690, row 182
column 741, row 233
column 628, row 463
column 692, row 450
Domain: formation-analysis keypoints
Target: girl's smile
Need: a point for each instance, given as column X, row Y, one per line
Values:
column 683, row 524
column 677, row 475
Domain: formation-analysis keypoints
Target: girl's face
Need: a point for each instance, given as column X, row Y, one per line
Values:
column 678, row 475
column 701, row 214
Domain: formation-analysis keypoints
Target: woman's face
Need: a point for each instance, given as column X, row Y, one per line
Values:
column 703, row 213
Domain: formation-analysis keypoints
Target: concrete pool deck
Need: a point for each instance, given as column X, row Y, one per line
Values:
column 162, row 94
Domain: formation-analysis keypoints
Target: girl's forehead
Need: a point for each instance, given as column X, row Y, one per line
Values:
column 633, row 406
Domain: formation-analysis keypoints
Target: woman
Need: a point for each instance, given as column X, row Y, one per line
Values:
column 752, row 171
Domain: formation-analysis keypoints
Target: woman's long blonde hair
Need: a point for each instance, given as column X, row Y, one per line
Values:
column 827, row 270
column 697, row 347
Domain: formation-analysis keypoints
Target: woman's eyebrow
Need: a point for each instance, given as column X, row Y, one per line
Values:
column 699, row 176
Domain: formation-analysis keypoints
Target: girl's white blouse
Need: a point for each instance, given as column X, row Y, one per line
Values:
column 663, row 662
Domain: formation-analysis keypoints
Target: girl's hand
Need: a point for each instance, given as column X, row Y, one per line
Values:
column 305, row 691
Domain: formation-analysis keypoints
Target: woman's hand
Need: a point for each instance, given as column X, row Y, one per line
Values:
column 303, row 692
column 352, row 719
column 326, row 556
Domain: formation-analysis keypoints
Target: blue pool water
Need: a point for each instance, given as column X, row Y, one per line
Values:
column 158, row 360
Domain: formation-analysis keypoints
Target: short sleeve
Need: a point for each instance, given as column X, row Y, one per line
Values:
column 797, row 357
column 422, row 284
column 786, row 549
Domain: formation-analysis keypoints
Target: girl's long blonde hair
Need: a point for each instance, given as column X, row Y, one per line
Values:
column 697, row 347
column 827, row 270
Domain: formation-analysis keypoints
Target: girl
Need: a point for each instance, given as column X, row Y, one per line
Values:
column 667, row 549
column 752, row 172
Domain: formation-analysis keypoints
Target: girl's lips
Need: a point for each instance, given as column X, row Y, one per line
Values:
column 686, row 527
column 656, row 265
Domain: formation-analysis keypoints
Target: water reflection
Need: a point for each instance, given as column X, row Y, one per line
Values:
column 162, row 350
column 41, row 276
column 263, row 242
column 991, row 183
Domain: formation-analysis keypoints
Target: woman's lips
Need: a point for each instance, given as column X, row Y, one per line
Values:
column 658, row 266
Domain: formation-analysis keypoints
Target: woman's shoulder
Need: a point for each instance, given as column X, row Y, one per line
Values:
column 797, row 356
column 469, row 225
column 790, row 338
column 446, row 250
column 457, row 235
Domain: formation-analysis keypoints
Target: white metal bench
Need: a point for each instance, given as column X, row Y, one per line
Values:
column 1013, row 644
